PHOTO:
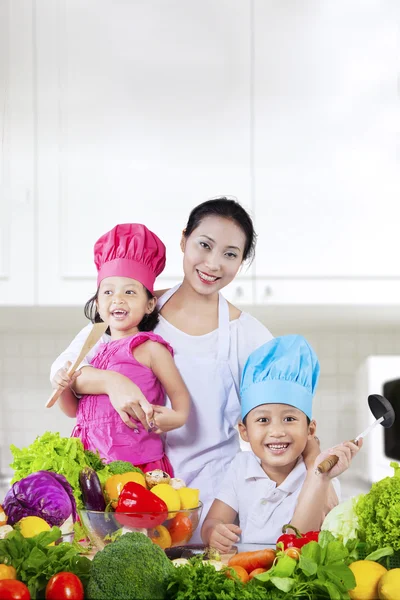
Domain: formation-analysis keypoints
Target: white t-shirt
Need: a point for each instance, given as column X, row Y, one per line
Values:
column 246, row 335
column 263, row 508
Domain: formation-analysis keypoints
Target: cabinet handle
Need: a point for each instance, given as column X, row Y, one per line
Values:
column 268, row 291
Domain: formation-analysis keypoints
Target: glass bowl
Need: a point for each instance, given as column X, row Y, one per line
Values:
column 103, row 528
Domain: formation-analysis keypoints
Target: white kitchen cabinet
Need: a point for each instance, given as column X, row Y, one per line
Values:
column 17, row 246
column 143, row 112
column 326, row 151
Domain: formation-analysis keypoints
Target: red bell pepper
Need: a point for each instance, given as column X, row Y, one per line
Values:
column 145, row 508
column 297, row 539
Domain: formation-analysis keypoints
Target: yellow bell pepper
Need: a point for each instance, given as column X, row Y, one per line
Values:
column 115, row 483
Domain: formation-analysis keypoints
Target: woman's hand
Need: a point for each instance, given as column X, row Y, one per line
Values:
column 129, row 401
column 167, row 419
column 345, row 453
column 62, row 380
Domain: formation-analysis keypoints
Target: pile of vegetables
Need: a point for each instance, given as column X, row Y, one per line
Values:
column 66, row 456
column 372, row 518
column 36, row 560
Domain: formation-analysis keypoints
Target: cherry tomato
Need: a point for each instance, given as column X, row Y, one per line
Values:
column 10, row 589
column 240, row 572
column 64, row 586
column 257, row 572
column 293, row 552
column 180, row 528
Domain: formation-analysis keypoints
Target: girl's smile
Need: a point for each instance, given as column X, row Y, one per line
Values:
column 122, row 303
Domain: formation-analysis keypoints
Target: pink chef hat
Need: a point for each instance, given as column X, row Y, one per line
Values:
column 130, row 250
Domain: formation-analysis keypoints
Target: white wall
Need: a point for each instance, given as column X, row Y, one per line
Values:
column 25, row 359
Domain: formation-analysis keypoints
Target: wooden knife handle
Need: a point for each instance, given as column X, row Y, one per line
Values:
column 327, row 464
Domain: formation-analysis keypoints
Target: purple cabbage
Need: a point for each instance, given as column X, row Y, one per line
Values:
column 42, row 494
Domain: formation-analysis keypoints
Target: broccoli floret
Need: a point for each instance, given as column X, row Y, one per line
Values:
column 117, row 467
column 131, row 568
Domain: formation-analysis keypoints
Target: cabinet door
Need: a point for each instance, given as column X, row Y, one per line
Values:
column 143, row 112
column 327, row 114
column 17, row 260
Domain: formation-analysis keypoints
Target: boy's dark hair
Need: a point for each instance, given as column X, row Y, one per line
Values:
column 148, row 323
column 228, row 209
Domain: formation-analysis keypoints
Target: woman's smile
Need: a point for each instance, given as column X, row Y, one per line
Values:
column 206, row 278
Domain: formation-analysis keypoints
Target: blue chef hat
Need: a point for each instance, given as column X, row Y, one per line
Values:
column 283, row 371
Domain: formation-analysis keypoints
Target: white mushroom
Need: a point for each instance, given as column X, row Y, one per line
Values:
column 4, row 529
column 177, row 483
column 178, row 562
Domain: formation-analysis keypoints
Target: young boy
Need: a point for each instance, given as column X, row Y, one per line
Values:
column 270, row 486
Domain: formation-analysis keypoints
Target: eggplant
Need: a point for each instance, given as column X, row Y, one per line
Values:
column 186, row 551
column 92, row 493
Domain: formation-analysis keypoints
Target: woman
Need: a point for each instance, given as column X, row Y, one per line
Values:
column 211, row 339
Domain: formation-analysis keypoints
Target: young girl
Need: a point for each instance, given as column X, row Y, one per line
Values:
column 128, row 259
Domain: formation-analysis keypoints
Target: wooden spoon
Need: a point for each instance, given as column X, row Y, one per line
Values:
column 95, row 334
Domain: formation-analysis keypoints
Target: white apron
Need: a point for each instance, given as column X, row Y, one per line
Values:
column 201, row 450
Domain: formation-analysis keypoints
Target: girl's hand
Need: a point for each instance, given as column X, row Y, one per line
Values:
column 166, row 419
column 345, row 453
column 311, row 451
column 223, row 536
column 62, row 380
column 129, row 401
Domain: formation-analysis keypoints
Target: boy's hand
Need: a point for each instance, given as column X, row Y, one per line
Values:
column 345, row 452
column 223, row 536
column 62, row 380
column 311, row 451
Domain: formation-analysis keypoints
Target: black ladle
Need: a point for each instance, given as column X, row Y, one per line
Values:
column 384, row 415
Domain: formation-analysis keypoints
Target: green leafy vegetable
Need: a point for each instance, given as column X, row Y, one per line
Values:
column 342, row 521
column 51, row 452
column 379, row 512
column 321, row 572
column 197, row 580
column 36, row 562
column 118, row 467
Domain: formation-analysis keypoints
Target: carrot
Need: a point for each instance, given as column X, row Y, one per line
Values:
column 256, row 572
column 259, row 559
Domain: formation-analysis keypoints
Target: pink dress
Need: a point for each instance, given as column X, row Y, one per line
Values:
column 98, row 424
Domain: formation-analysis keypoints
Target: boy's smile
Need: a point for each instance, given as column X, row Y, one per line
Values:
column 278, row 434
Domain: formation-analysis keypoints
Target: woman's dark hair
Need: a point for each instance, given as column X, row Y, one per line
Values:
column 148, row 323
column 228, row 209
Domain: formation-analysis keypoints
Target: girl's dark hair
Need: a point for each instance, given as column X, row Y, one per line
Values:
column 148, row 323
column 228, row 209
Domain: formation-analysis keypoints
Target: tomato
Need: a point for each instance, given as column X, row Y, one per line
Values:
column 10, row 589
column 64, row 586
column 293, row 553
column 180, row 528
column 257, row 572
column 240, row 572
